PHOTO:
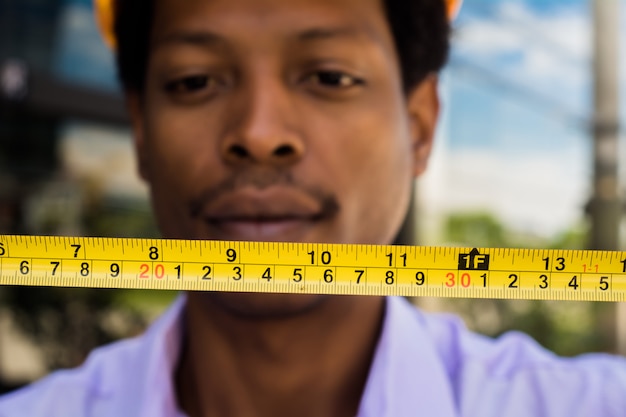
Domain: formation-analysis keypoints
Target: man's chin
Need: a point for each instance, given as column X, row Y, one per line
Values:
column 253, row 306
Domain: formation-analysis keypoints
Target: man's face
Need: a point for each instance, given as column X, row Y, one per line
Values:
column 279, row 120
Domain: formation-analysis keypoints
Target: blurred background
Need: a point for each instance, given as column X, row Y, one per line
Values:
column 526, row 156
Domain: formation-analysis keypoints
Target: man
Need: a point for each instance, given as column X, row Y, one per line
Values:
column 299, row 120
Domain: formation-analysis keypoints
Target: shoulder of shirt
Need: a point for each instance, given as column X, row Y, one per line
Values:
column 507, row 355
column 514, row 369
column 69, row 393
column 74, row 388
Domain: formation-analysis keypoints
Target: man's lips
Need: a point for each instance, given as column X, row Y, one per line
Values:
column 269, row 213
column 276, row 229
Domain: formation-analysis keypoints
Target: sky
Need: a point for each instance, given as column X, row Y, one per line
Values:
column 513, row 138
column 517, row 96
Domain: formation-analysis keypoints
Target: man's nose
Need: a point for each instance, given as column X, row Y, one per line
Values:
column 265, row 127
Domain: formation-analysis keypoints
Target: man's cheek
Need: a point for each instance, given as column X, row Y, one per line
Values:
column 169, row 150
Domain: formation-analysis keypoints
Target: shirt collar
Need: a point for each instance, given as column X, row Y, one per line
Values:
column 163, row 345
column 407, row 376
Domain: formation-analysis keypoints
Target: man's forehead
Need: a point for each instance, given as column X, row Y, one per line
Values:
column 208, row 38
column 264, row 8
column 212, row 21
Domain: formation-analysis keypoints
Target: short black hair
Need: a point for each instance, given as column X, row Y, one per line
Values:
column 420, row 30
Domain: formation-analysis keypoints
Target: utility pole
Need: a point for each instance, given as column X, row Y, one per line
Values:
column 605, row 207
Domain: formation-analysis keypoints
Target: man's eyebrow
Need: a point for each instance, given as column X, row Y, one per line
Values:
column 314, row 34
column 193, row 38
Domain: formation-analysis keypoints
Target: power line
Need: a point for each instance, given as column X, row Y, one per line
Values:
column 530, row 33
column 539, row 100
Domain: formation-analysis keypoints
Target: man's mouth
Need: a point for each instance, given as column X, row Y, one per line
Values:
column 269, row 214
column 261, row 228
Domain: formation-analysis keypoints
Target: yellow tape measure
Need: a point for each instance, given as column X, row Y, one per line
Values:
column 312, row 268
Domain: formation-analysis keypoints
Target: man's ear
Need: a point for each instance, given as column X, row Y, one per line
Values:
column 135, row 110
column 423, row 107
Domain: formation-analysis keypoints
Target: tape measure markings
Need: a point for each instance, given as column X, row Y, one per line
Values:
column 312, row 268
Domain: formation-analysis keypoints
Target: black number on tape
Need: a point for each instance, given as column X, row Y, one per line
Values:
column 604, row 283
column 297, row 274
column 207, row 272
column 267, row 275
column 325, row 257
column 573, row 283
column 24, row 268
column 389, row 279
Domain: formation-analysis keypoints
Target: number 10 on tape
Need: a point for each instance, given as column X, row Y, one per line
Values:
column 312, row 268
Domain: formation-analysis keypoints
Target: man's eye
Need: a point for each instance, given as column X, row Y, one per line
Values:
column 190, row 84
column 334, row 79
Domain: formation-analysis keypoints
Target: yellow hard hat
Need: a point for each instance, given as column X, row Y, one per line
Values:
column 453, row 7
column 104, row 17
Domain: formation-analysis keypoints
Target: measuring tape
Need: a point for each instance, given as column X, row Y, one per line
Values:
column 306, row 268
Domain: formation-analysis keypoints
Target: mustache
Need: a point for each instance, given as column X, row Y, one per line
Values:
column 262, row 179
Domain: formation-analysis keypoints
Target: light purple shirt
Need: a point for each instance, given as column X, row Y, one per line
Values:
column 424, row 365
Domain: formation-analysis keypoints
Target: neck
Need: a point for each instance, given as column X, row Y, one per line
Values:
column 310, row 364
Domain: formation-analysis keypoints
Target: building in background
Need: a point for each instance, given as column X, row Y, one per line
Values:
column 66, row 168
